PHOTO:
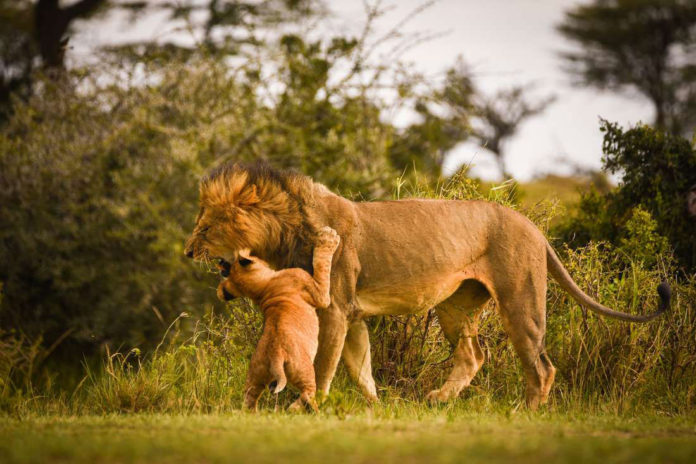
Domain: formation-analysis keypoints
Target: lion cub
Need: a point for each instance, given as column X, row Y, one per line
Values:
column 288, row 300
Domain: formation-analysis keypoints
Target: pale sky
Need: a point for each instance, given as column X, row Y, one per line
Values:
column 506, row 43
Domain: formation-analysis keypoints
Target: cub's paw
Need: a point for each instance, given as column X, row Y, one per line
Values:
column 327, row 238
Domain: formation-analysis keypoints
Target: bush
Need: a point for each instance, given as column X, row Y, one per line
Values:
column 657, row 171
column 94, row 198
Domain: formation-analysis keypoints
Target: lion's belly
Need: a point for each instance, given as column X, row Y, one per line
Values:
column 408, row 297
column 414, row 254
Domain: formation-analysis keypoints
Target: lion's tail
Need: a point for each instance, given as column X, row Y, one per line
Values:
column 277, row 371
column 560, row 274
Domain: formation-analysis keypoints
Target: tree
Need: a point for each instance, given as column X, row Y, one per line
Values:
column 499, row 118
column 17, row 50
column 34, row 34
column 643, row 45
column 219, row 26
column 52, row 23
column 491, row 120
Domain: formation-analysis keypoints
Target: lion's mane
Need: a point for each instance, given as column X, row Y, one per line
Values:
column 263, row 209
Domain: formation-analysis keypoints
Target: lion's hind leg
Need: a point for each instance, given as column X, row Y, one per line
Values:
column 524, row 317
column 459, row 316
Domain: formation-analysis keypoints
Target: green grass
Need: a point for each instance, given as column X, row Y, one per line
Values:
column 410, row 434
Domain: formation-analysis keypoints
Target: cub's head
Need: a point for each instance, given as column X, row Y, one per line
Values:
column 247, row 207
column 246, row 275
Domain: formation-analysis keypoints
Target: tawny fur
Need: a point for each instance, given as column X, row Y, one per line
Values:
column 396, row 257
column 287, row 299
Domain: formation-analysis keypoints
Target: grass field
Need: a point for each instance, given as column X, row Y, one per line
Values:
column 417, row 434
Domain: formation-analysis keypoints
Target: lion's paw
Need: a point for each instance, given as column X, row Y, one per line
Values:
column 296, row 406
column 327, row 238
column 439, row 396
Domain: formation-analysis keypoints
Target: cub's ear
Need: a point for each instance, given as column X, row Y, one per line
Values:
column 245, row 259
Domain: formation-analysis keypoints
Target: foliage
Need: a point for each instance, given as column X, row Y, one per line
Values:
column 219, row 28
column 424, row 144
column 203, row 371
column 92, row 220
column 500, row 117
column 457, row 110
column 645, row 45
column 657, row 172
column 36, row 34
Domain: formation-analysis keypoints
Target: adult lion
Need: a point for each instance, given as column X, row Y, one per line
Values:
column 396, row 257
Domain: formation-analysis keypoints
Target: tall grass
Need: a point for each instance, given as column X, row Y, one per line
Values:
column 200, row 365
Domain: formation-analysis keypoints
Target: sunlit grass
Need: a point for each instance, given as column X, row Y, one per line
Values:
column 450, row 434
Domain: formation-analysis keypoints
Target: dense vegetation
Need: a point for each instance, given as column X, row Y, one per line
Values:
column 200, row 363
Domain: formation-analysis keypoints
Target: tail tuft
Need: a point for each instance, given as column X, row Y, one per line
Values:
column 665, row 293
column 277, row 372
column 276, row 386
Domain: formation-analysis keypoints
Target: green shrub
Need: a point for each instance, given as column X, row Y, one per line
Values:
column 657, row 171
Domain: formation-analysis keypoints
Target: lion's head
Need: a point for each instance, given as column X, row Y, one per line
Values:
column 251, row 207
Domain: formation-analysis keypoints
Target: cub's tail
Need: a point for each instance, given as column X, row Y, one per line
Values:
column 277, row 372
column 560, row 274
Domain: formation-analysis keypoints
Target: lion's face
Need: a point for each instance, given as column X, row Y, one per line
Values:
column 220, row 233
column 209, row 239
column 244, row 208
column 253, row 207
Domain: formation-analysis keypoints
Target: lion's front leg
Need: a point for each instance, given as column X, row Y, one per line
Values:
column 333, row 326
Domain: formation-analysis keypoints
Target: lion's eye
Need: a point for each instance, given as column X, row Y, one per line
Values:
column 204, row 229
column 244, row 262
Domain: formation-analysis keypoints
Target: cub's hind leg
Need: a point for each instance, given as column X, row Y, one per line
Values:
column 300, row 372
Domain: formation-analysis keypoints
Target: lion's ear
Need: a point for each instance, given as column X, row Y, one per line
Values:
column 248, row 197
